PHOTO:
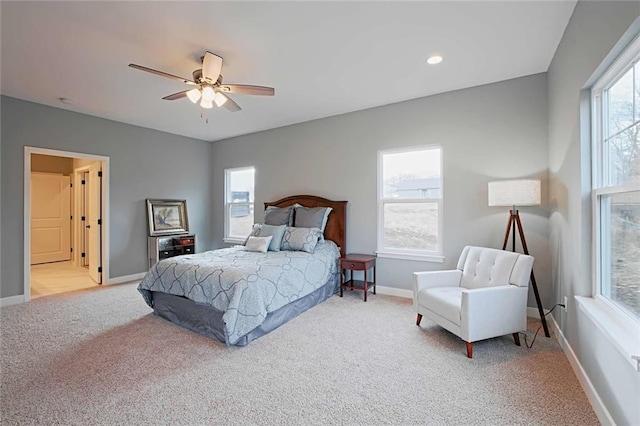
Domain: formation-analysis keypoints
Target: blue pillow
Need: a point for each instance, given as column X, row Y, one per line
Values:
column 276, row 232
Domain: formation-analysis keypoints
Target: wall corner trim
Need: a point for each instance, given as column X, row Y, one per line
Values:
column 11, row 300
column 594, row 399
column 392, row 291
column 125, row 278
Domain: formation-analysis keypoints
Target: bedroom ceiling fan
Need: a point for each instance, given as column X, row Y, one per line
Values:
column 209, row 88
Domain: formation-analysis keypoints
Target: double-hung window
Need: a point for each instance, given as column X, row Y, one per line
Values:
column 238, row 203
column 616, row 182
column 410, row 203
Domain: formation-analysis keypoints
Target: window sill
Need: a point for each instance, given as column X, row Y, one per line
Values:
column 234, row 240
column 416, row 257
column 623, row 332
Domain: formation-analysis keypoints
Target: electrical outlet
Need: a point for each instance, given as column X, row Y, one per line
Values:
column 566, row 306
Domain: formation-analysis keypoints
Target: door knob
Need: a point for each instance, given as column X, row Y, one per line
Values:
column 88, row 226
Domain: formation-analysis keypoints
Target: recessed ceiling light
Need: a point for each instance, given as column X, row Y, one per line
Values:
column 434, row 60
column 66, row 101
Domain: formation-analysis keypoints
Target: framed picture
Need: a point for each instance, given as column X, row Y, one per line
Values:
column 167, row 217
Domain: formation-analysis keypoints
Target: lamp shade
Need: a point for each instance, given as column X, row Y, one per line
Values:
column 520, row 192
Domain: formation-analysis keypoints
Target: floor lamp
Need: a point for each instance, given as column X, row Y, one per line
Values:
column 521, row 192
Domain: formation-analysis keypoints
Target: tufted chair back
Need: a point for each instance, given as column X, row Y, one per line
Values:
column 486, row 267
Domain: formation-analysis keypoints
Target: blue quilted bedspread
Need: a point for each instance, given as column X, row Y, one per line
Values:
column 245, row 285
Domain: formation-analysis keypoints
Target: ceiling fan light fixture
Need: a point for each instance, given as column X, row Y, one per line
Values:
column 219, row 99
column 208, row 94
column 194, row 95
column 208, row 104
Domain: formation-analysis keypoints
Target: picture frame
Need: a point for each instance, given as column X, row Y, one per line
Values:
column 166, row 217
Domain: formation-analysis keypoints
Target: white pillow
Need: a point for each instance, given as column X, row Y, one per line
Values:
column 259, row 244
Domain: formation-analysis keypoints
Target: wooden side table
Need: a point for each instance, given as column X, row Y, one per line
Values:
column 358, row 262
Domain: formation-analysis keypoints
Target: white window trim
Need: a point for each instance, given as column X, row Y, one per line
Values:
column 417, row 255
column 620, row 325
column 228, row 204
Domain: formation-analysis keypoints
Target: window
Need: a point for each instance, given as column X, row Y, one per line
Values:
column 238, row 203
column 616, row 182
column 410, row 203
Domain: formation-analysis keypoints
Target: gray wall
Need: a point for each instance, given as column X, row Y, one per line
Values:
column 593, row 30
column 144, row 164
column 496, row 131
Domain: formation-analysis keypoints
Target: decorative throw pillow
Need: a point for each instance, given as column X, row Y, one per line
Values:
column 276, row 232
column 259, row 244
column 311, row 217
column 278, row 216
column 255, row 230
column 300, row 239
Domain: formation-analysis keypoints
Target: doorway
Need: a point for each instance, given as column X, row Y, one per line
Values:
column 66, row 205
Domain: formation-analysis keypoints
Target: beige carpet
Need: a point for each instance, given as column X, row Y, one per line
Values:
column 101, row 357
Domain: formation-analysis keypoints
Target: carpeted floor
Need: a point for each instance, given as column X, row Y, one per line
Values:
column 101, row 357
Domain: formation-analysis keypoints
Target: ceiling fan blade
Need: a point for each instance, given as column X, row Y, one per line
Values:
column 230, row 104
column 211, row 66
column 161, row 74
column 178, row 95
column 244, row 89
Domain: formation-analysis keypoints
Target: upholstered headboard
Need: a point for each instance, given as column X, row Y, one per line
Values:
column 336, row 229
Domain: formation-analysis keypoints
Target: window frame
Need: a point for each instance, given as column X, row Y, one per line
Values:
column 600, row 186
column 229, row 204
column 409, row 254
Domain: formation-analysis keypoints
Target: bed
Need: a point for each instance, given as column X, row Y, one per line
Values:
column 235, row 296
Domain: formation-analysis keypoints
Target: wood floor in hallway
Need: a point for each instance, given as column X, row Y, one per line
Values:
column 59, row 277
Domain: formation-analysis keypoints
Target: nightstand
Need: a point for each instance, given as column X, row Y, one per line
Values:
column 358, row 262
column 166, row 246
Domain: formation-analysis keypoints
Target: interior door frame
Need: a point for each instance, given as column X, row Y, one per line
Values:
column 77, row 213
column 28, row 150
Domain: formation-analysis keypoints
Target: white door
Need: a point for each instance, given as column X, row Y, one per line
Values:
column 50, row 217
column 94, row 225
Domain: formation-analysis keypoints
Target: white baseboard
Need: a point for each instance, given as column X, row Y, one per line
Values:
column 594, row 399
column 392, row 291
column 11, row 300
column 533, row 312
column 126, row 278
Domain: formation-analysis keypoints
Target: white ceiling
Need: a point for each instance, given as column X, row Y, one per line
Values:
column 323, row 58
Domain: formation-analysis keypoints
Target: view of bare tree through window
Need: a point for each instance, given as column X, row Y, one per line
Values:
column 620, row 211
column 625, row 249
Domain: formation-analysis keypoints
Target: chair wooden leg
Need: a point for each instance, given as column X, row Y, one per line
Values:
column 516, row 337
column 469, row 350
column 418, row 319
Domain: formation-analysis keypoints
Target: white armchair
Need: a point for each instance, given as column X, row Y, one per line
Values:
column 484, row 297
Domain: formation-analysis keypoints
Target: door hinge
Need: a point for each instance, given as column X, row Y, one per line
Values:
column 71, row 217
column 82, row 218
column 71, row 185
column 99, row 221
column 99, row 269
column 71, row 249
column 83, row 255
column 83, row 181
column 100, row 173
